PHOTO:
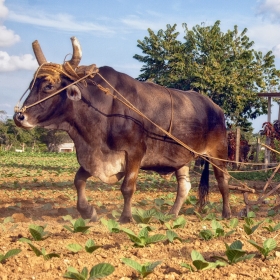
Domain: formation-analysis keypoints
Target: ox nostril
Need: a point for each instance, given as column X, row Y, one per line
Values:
column 20, row 116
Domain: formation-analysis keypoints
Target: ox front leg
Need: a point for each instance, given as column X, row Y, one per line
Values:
column 128, row 188
column 87, row 211
column 184, row 186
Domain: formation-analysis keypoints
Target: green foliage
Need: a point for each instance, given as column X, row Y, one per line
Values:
column 74, row 247
column 98, row 271
column 217, row 231
column 163, row 218
column 200, row 263
column 143, row 239
column 171, row 236
column 144, row 270
column 78, row 225
column 180, row 222
column 250, row 227
column 235, row 253
column 38, row 232
column 39, row 252
column 272, row 228
column 221, row 65
column 111, row 225
column 143, row 216
column 268, row 246
column 9, row 254
column 90, row 246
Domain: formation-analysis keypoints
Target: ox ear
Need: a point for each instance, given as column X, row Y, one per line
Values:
column 74, row 93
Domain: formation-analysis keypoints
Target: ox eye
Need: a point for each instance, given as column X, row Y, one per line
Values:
column 48, row 87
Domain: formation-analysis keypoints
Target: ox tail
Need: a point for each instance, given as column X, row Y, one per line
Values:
column 203, row 188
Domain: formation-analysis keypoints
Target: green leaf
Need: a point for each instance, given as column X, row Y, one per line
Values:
column 268, row 246
column 74, row 247
column 9, row 254
column 133, row 264
column 233, row 223
column 90, row 246
column 50, row 256
column 68, row 228
column 202, row 265
column 180, row 222
column 171, row 235
column 156, row 238
column 206, row 234
column 195, row 255
column 35, row 250
column 72, row 273
column 37, row 232
column 188, row 266
column 101, row 270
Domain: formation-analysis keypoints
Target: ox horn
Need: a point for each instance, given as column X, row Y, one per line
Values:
column 38, row 53
column 77, row 53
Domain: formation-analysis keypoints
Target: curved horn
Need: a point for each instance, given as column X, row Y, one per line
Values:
column 38, row 53
column 77, row 53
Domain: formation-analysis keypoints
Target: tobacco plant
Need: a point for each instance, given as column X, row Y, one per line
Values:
column 98, row 271
column 200, row 263
column 268, row 246
column 78, row 225
column 143, row 269
column 234, row 253
column 143, row 239
column 9, row 254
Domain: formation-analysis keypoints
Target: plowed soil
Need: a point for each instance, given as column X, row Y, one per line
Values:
column 34, row 203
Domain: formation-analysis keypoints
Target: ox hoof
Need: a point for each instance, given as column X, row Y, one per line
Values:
column 125, row 220
column 226, row 215
column 89, row 213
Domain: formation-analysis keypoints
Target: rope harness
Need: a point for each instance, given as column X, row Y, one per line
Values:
column 52, row 72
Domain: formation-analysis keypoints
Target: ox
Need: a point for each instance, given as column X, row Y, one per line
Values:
column 113, row 141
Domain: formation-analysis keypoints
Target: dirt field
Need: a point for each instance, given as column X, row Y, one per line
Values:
column 46, row 200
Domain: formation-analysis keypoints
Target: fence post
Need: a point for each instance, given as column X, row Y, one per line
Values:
column 237, row 151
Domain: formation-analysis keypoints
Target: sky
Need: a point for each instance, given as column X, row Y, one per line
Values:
column 108, row 31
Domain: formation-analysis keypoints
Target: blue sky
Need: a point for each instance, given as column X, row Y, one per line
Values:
column 108, row 31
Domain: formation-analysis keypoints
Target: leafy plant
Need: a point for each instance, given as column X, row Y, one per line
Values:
column 271, row 228
column 200, row 263
column 235, row 253
column 143, row 216
column 217, row 231
column 90, row 246
column 74, row 247
column 38, row 232
column 98, row 271
column 171, row 236
column 143, row 238
column 78, row 225
column 250, row 226
column 144, row 269
column 163, row 218
column 9, row 254
column 180, row 222
column 268, row 246
column 42, row 252
column 191, row 200
column 233, row 223
column 112, row 225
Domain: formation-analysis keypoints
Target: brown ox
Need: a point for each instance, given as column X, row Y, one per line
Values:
column 113, row 141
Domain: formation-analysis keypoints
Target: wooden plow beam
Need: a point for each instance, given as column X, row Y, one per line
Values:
column 263, row 195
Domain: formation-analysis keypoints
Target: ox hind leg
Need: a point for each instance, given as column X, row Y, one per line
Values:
column 183, row 188
column 222, row 177
column 87, row 211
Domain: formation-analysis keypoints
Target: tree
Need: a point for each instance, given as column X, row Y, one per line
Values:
column 223, row 66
